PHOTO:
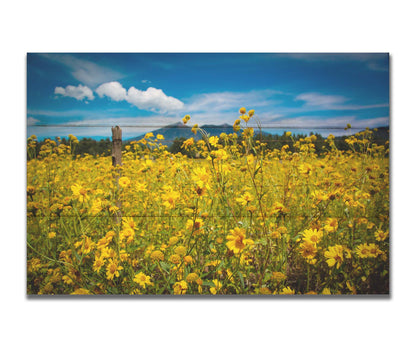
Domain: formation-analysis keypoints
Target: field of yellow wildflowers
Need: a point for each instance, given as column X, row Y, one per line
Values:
column 239, row 220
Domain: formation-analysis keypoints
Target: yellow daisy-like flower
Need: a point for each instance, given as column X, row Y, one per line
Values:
column 331, row 225
column 248, row 132
column 192, row 277
column 245, row 199
column 128, row 222
column 173, row 240
column 312, row 235
column 202, row 177
column 362, row 250
column 236, row 126
column 287, row 291
column 220, row 154
column 245, row 118
column 242, row 110
column 81, row 291
column 213, row 141
column 188, row 143
column 237, row 240
column 175, row 258
column 170, row 198
column 113, row 269
column 78, row 192
column 308, row 250
column 98, row 263
column 195, row 129
column 278, row 276
column 186, row 119
column 96, row 206
column 124, row 182
column 381, row 235
column 180, row 288
column 217, row 286
column 180, row 250
column 335, row 255
column 142, row 280
column 157, row 256
column 188, row 259
column 194, row 226
column 264, row 291
column 374, row 250
column 326, row 291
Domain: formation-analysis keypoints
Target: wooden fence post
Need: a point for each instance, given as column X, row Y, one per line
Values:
column 116, row 159
column 116, row 153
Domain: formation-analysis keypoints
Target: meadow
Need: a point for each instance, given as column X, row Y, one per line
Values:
column 240, row 219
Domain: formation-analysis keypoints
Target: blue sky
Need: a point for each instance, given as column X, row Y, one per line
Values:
column 85, row 94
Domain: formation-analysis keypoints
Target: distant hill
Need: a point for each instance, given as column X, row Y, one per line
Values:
column 380, row 136
column 177, row 130
column 169, row 132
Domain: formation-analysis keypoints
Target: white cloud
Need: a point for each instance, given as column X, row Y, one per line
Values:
column 85, row 71
column 114, row 90
column 32, row 121
column 332, row 102
column 317, row 99
column 232, row 101
column 153, row 99
column 78, row 93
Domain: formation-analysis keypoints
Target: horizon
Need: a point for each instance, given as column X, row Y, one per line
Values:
column 280, row 132
column 84, row 94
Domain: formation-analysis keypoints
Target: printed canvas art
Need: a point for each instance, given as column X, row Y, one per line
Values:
column 207, row 174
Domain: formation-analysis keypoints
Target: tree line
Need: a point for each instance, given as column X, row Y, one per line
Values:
column 103, row 147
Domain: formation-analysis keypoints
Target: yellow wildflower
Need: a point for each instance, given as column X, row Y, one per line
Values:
column 335, row 255
column 186, row 119
column 217, row 286
column 245, row 199
column 157, row 256
column 192, row 277
column 180, row 250
column 331, row 225
column 312, row 235
column 237, row 240
column 287, row 291
column 381, row 235
column 78, row 192
column 124, row 182
column 113, row 269
column 142, row 280
column 81, row 291
column 180, row 288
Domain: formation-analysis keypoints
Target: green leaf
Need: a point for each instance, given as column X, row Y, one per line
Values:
column 165, row 266
column 240, row 275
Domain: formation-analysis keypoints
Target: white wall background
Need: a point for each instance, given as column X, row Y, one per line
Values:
column 205, row 26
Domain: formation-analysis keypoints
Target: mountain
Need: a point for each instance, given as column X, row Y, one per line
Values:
column 177, row 130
